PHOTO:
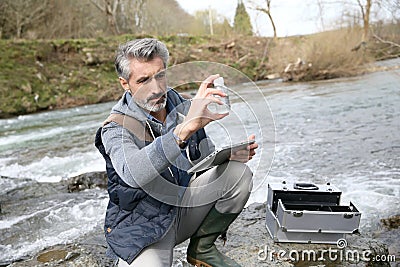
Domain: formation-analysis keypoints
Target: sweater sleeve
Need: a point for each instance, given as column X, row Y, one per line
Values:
column 136, row 166
column 205, row 147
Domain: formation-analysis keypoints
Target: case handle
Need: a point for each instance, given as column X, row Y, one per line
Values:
column 305, row 186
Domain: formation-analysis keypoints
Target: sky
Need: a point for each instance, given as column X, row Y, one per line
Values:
column 292, row 17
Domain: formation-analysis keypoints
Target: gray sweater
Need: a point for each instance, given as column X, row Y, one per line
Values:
column 139, row 166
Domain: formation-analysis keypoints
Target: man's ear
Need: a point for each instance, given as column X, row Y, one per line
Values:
column 124, row 83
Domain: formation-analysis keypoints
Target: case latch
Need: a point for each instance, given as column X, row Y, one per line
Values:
column 297, row 213
column 348, row 216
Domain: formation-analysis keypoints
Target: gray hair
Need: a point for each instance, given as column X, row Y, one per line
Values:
column 142, row 49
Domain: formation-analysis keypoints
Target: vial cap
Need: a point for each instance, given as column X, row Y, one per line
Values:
column 219, row 81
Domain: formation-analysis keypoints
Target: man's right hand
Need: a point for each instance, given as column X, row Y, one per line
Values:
column 199, row 115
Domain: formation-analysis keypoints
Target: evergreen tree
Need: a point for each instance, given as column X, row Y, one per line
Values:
column 241, row 23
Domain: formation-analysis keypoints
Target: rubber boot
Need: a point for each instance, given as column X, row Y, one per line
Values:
column 202, row 251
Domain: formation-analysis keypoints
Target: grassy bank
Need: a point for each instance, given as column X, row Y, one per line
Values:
column 50, row 74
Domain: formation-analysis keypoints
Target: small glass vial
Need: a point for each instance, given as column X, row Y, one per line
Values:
column 226, row 107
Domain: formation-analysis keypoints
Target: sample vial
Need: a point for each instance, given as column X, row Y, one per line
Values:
column 217, row 108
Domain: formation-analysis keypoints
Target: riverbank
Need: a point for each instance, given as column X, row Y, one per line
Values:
column 54, row 74
column 248, row 240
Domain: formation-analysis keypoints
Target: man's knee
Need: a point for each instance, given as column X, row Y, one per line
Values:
column 238, row 185
column 237, row 174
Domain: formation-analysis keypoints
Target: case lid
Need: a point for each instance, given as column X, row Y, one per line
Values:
column 302, row 193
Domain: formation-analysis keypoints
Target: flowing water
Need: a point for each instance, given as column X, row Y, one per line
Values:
column 343, row 131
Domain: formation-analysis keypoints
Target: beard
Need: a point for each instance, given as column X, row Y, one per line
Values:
column 153, row 107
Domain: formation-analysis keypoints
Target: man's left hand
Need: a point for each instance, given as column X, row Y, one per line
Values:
column 247, row 154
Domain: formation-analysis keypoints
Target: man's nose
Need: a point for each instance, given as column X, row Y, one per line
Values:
column 156, row 86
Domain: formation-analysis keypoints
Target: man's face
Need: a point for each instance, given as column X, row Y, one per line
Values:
column 147, row 84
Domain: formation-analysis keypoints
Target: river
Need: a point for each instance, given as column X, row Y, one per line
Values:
column 343, row 131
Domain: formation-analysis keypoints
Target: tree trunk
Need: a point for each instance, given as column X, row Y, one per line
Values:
column 110, row 9
column 139, row 14
column 365, row 11
column 18, row 26
column 273, row 25
column 270, row 17
column 267, row 11
column 366, row 21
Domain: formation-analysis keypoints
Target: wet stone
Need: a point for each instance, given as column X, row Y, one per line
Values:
column 391, row 222
column 52, row 255
column 72, row 255
column 87, row 181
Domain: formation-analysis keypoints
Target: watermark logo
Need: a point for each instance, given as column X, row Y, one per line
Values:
column 341, row 243
column 340, row 253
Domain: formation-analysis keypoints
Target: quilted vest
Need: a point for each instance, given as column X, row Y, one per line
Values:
column 134, row 219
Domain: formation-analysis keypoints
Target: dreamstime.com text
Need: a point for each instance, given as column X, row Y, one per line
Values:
column 341, row 253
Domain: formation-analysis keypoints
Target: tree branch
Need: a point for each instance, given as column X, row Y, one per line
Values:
column 264, row 10
column 36, row 14
column 384, row 41
column 102, row 9
column 114, row 9
column 362, row 9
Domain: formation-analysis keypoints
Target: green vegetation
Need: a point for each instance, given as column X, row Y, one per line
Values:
column 242, row 24
column 48, row 74
column 39, row 75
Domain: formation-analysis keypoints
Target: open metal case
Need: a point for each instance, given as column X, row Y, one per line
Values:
column 309, row 213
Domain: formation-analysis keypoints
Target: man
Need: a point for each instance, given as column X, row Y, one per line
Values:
column 151, row 138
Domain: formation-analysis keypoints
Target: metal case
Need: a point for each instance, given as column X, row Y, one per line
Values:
column 308, row 213
column 280, row 234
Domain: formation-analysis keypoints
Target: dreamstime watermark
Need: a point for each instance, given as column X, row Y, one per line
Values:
column 340, row 253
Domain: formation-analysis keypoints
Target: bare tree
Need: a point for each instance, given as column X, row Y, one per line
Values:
column 20, row 14
column 266, row 9
column 138, row 11
column 207, row 20
column 394, row 8
column 365, row 12
column 2, row 17
column 321, row 13
column 110, row 8
column 157, row 18
column 71, row 19
column 362, row 12
column 131, row 15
